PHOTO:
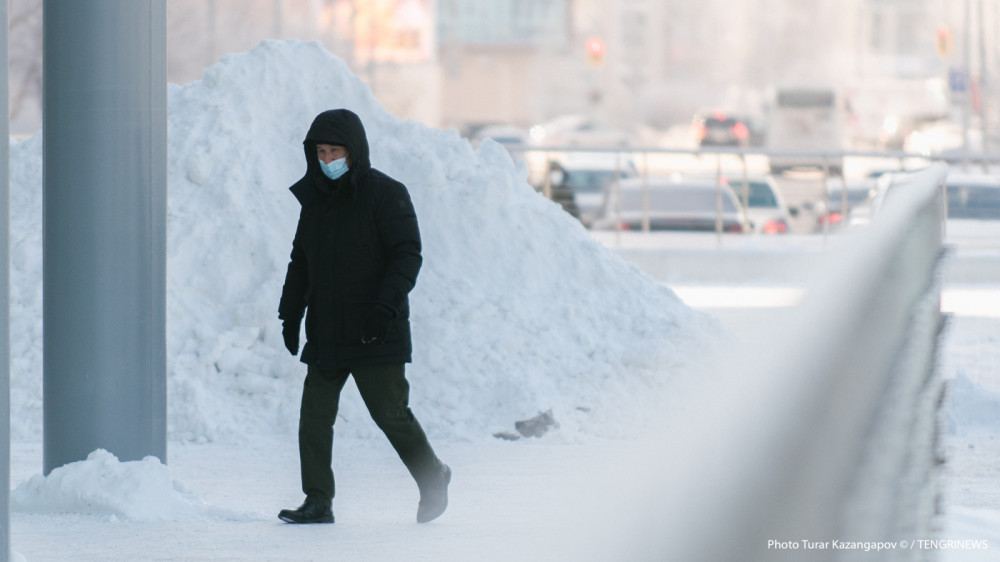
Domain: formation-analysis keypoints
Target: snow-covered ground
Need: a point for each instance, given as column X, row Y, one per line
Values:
column 517, row 310
column 509, row 499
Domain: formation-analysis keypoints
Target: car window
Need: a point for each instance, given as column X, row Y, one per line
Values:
column 973, row 202
column 720, row 123
column 761, row 194
column 593, row 181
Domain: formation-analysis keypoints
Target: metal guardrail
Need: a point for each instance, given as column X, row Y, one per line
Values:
column 820, row 441
column 951, row 157
column 906, row 161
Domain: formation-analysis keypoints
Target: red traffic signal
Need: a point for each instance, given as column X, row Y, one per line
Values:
column 595, row 51
column 943, row 41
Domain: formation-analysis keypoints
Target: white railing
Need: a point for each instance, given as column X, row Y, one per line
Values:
column 823, row 429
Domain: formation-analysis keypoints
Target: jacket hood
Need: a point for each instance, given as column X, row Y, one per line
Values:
column 336, row 126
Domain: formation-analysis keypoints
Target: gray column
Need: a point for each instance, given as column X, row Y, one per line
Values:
column 104, row 229
column 4, row 295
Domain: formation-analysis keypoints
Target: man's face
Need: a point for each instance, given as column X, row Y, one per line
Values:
column 330, row 152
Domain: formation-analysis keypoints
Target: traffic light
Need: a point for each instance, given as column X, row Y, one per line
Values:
column 595, row 51
column 943, row 41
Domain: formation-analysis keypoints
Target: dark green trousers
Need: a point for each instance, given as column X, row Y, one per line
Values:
column 387, row 394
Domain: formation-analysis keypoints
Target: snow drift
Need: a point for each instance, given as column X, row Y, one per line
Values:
column 103, row 486
column 516, row 310
column 980, row 407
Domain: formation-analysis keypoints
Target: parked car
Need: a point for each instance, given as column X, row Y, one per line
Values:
column 972, row 207
column 764, row 204
column 973, row 196
column 973, row 204
column 673, row 204
column 583, row 176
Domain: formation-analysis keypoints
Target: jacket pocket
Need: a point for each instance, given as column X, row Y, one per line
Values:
column 352, row 323
column 355, row 321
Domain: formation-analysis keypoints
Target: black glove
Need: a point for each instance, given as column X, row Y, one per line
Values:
column 290, row 333
column 375, row 326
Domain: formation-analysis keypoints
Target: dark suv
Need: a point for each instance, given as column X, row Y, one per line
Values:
column 722, row 130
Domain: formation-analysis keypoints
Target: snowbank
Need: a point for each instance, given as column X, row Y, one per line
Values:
column 103, row 486
column 971, row 406
column 517, row 310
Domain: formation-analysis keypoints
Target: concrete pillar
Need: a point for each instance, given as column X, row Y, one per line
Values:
column 104, row 229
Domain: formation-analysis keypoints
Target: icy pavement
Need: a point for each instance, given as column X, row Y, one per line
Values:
column 509, row 501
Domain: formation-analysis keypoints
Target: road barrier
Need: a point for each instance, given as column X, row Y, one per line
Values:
column 820, row 440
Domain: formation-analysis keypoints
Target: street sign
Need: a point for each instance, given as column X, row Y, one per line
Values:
column 956, row 79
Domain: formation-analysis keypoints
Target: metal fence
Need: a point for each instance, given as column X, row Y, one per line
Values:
column 742, row 161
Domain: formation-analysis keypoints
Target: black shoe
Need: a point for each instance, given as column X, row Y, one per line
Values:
column 309, row 512
column 434, row 498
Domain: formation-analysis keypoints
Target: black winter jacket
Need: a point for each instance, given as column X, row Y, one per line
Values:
column 356, row 247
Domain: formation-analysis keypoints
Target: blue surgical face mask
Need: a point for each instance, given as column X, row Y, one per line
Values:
column 335, row 168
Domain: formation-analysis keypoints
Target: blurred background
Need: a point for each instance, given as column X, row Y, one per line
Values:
column 633, row 69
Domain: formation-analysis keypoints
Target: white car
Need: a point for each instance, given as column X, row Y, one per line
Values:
column 765, row 207
column 973, row 212
column 972, row 206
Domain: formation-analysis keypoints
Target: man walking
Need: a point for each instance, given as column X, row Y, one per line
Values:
column 355, row 258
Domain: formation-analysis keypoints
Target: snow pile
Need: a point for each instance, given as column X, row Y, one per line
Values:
column 516, row 310
column 980, row 408
column 101, row 485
